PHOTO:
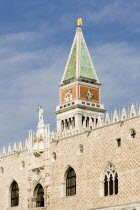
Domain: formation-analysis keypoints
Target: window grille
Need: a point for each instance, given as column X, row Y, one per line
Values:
column 14, row 194
column 71, row 183
column 110, row 181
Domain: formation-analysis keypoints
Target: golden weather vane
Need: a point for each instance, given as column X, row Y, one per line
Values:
column 79, row 21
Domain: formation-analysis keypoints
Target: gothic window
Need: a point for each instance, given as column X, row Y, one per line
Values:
column 105, row 186
column 110, row 181
column 39, row 196
column 14, row 194
column 71, row 182
column 132, row 133
column 116, row 183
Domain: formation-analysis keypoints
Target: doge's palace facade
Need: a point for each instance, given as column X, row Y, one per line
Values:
column 91, row 162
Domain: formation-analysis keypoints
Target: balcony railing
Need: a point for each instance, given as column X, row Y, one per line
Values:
column 80, row 102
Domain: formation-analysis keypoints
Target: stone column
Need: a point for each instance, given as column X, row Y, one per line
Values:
column 84, row 123
column 62, row 126
column 87, row 122
column 90, row 123
column 78, row 121
column 58, row 125
column 94, row 122
column 46, row 196
column 73, row 122
column 70, row 120
column 34, row 202
column 65, row 124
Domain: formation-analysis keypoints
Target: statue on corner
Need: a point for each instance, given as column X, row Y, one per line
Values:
column 41, row 114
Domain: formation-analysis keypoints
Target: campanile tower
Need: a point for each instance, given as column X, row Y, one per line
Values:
column 80, row 106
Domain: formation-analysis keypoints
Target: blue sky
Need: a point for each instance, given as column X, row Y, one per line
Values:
column 35, row 40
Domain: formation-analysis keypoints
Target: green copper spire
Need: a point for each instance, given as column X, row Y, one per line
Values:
column 79, row 64
column 71, row 68
column 85, row 64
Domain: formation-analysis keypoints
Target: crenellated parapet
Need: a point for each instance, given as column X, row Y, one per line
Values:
column 123, row 115
column 36, row 141
column 14, row 148
column 117, row 116
column 39, row 140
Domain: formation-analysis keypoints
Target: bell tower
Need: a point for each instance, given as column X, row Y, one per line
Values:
column 80, row 106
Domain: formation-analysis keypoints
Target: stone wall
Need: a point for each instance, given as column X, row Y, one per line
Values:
column 99, row 149
column 88, row 154
column 13, row 169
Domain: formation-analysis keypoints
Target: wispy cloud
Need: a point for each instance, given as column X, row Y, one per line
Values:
column 116, row 64
column 118, row 68
column 28, row 78
column 116, row 11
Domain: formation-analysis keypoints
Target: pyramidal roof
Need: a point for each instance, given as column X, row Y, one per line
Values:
column 79, row 64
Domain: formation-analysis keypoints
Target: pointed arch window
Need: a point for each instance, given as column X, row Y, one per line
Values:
column 39, row 196
column 105, row 185
column 71, row 182
column 14, row 194
column 110, row 180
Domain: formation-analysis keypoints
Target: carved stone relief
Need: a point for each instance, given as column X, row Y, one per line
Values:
column 89, row 95
column 68, row 95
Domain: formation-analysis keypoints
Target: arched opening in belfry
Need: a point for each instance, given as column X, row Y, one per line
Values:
column 87, row 122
